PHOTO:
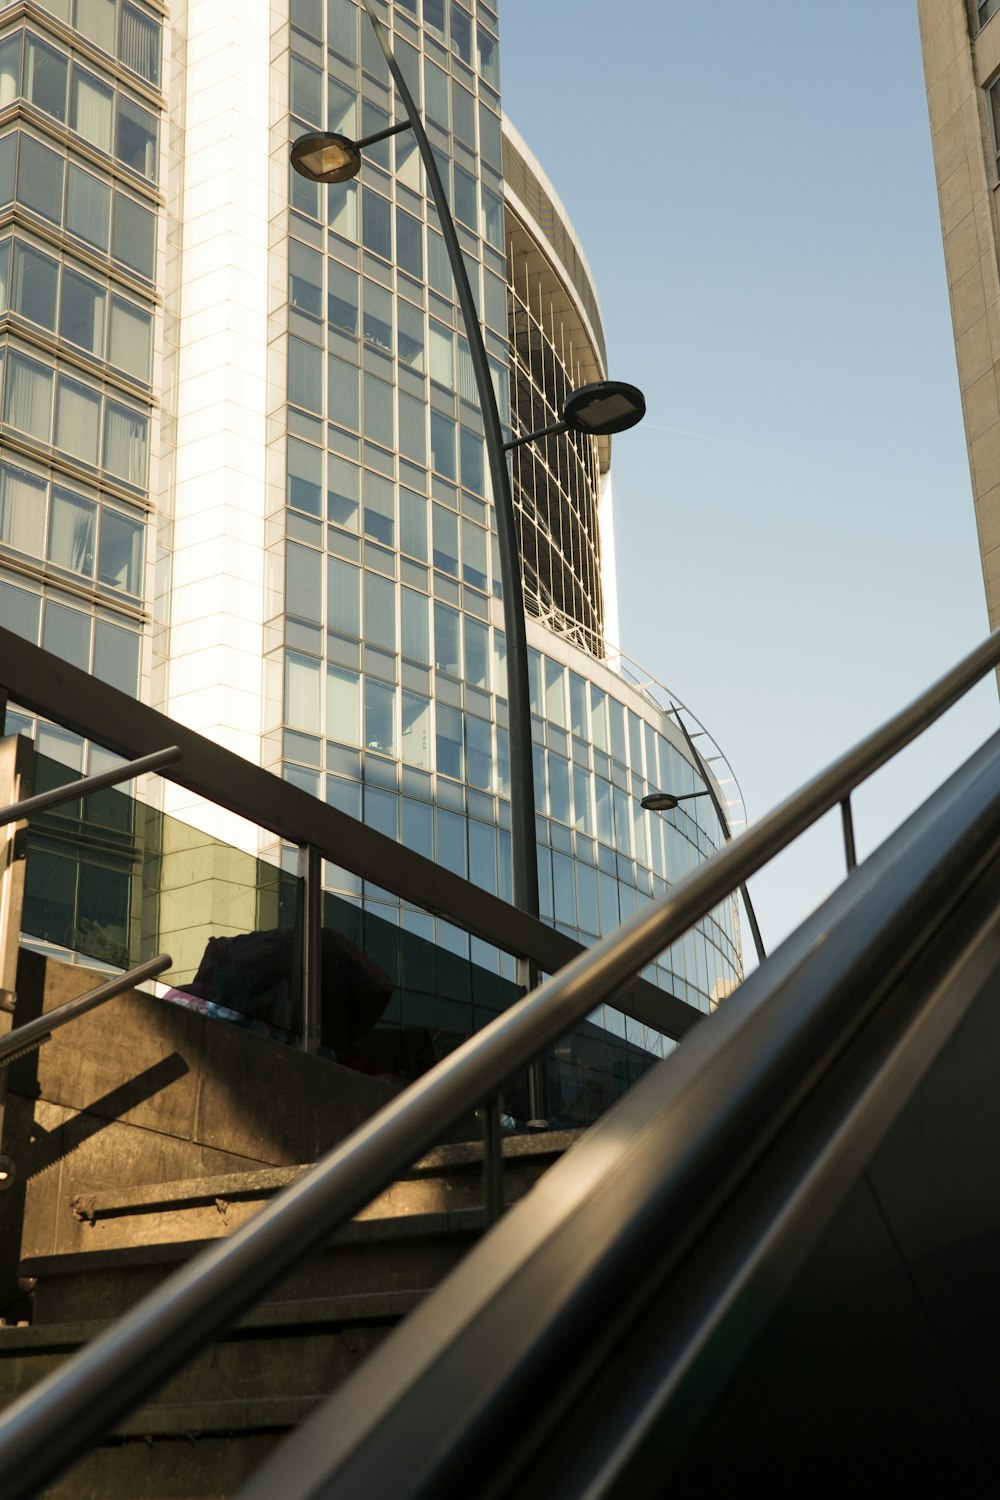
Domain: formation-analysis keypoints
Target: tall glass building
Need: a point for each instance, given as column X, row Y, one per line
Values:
column 242, row 461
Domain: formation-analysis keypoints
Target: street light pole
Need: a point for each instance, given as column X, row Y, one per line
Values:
column 524, row 860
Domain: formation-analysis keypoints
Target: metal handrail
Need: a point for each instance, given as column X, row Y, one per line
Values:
column 97, row 1386
column 33, row 1033
column 47, row 685
column 71, row 790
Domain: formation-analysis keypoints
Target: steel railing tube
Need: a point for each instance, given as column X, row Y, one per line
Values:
column 71, row 790
column 49, row 1425
column 34, row 1033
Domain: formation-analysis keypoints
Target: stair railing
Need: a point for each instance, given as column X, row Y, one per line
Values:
column 95, row 1388
column 25, row 1039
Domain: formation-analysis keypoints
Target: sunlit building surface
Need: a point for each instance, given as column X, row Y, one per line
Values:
column 961, row 46
column 243, row 476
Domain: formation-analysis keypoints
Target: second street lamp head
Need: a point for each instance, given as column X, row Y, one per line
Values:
column 606, row 407
column 326, row 158
column 659, row 802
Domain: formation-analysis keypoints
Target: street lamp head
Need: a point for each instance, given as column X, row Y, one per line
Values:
column 604, row 408
column 326, row 158
column 659, row 802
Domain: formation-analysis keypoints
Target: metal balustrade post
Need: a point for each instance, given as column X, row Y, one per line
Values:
column 310, row 931
column 16, row 762
column 492, row 1161
column 847, row 819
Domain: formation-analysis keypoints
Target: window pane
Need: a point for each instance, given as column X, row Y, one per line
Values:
column 410, row 335
column 412, row 430
column 443, row 444
column 67, row 634
column 131, row 333
column 492, row 219
column 450, row 743
column 78, row 421
column 27, row 402
column 305, row 477
column 305, row 375
column 343, row 609
column 446, row 640
column 96, row 19
column 19, row 611
column 72, row 532
column 379, row 411
column 121, row 552
column 343, row 489
column 416, row 746
column 445, row 529
column 413, row 524
column 380, row 508
column 479, row 753
column 45, row 76
column 117, row 656
column 343, row 28
column 435, row 91
column 343, row 107
column 7, row 169
column 303, row 582
column 81, row 319
column 93, row 112
column 343, row 706
column 438, row 265
column 477, row 647
column 409, row 244
column 34, row 285
column 342, row 208
column 472, row 461
column 380, row 717
column 88, row 208
column 414, row 620
column 380, row 612
column 125, row 443
column 463, row 111
column 139, row 43
column 377, row 223
column 40, row 179
column 306, row 91
column 461, row 33
column 474, row 555
column 464, row 199
column 343, row 400
column 378, row 317
column 442, row 354
column 136, row 138
column 302, row 692
column 342, row 299
column 134, row 236
column 22, row 510
column 305, row 279
column 10, row 68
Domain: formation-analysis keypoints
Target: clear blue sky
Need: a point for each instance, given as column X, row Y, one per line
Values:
column 754, row 189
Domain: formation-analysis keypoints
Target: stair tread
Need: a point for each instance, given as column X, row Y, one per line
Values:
column 99, row 1199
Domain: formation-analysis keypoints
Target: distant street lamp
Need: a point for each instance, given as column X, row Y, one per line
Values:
column 667, row 801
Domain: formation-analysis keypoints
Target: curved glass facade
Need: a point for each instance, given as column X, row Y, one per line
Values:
column 392, row 660
column 288, row 390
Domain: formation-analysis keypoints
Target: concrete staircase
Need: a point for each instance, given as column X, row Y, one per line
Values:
column 104, row 1224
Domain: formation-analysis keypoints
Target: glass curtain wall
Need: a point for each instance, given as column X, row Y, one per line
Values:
column 79, row 168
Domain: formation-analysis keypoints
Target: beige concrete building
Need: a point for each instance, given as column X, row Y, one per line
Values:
column 961, row 47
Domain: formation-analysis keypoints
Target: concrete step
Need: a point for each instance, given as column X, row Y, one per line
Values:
column 214, row 1422
column 117, row 1243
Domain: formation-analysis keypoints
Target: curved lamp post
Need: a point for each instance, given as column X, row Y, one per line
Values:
column 599, row 410
column 667, row 801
